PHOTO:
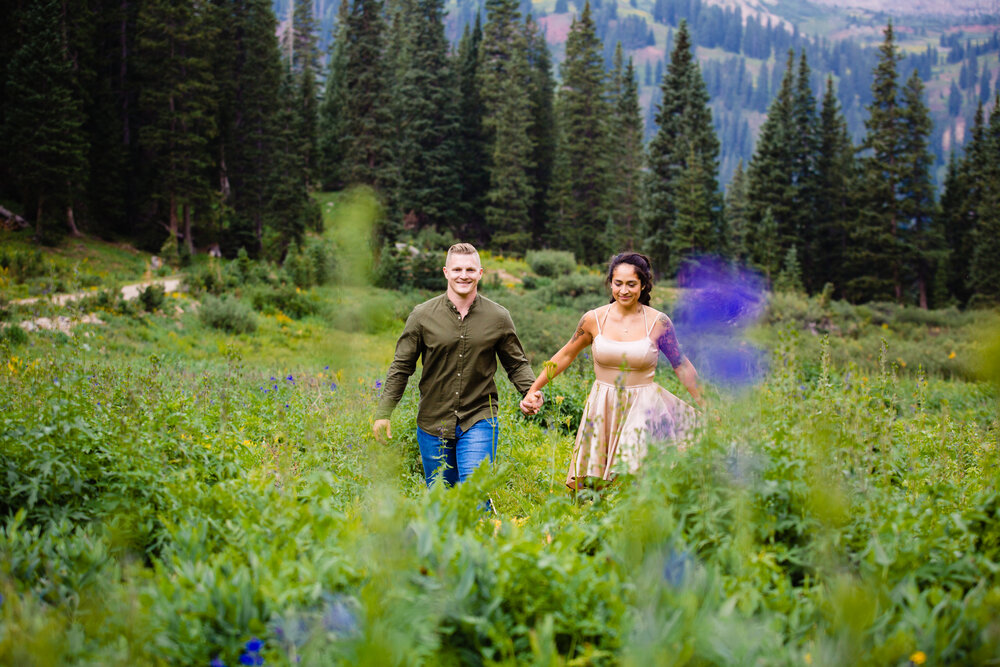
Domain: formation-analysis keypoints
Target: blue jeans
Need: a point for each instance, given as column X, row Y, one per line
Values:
column 460, row 455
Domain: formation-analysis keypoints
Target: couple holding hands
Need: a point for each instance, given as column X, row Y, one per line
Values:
column 459, row 335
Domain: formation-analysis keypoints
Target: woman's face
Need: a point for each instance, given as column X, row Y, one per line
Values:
column 625, row 285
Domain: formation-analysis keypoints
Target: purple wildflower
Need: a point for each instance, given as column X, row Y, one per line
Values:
column 720, row 301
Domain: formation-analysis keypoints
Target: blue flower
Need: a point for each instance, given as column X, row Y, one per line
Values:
column 338, row 617
column 217, row 662
column 251, row 659
column 274, row 379
column 677, row 566
column 326, row 368
column 378, row 384
column 254, row 645
column 333, row 386
column 290, row 378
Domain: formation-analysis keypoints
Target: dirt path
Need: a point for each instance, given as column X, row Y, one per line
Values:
column 128, row 292
column 66, row 324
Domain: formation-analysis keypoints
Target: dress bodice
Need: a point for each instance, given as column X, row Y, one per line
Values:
column 630, row 363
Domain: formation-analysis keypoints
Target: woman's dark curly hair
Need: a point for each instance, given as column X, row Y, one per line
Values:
column 642, row 269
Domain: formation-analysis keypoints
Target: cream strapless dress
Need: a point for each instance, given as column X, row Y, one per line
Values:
column 625, row 410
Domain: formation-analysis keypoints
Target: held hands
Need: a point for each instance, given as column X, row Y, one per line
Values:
column 532, row 403
column 382, row 430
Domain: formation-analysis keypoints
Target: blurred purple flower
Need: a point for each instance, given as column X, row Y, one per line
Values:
column 333, row 386
column 338, row 617
column 217, row 662
column 720, row 301
column 290, row 378
column 326, row 368
column 677, row 567
column 254, row 645
column 378, row 384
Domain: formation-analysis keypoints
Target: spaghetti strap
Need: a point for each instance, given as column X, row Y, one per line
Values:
column 648, row 328
column 597, row 318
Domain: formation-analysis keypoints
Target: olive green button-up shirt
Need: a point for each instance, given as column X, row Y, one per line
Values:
column 459, row 357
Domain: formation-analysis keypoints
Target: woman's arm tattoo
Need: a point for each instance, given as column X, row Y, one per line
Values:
column 668, row 343
column 580, row 331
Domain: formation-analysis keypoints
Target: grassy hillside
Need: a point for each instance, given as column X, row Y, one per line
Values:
column 178, row 493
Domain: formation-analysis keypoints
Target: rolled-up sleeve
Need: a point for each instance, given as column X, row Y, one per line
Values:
column 404, row 363
column 512, row 357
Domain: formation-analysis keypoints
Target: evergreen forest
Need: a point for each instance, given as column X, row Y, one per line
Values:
column 826, row 165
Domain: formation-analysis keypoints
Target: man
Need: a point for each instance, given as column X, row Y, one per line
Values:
column 458, row 336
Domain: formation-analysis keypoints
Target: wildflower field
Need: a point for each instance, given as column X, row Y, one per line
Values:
column 175, row 492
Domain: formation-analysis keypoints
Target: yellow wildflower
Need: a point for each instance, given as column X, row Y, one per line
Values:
column 560, row 399
column 918, row 658
column 808, row 658
column 951, row 355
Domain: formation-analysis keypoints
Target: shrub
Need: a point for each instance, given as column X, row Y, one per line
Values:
column 228, row 314
column 551, row 263
column 12, row 335
column 405, row 267
column 152, row 298
column 287, row 299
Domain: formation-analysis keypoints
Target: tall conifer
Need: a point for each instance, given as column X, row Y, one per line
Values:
column 984, row 270
column 472, row 158
column 876, row 250
column 43, row 128
column 626, row 152
column 178, row 99
column 923, row 243
column 580, row 193
column 835, row 171
column 504, row 74
column 684, row 123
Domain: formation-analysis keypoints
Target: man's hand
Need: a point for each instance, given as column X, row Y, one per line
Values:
column 382, row 430
column 532, row 403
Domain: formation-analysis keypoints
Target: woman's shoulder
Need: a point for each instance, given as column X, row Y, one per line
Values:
column 656, row 316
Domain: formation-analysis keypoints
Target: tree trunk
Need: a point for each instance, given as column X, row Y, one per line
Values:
column 188, row 241
column 173, row 217
column 71, row 221
column 922, row 287
column 38, row 218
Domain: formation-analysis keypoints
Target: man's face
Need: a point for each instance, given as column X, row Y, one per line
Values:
column 463, row 273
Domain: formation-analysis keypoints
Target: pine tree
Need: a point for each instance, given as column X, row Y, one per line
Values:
column 426, row 187
column 805, row 153
column 178, row 99
column 956, row 223
column 835, row 167
column 876, row 252
column 693, row 232
column 736, row 212
column 331, row 126
column 626, row 151
column 685, row 123
column 255, row 166
column 287, row 206
column 771, row 174
column 367, row 117
column 472, row 158
column 581, row 188
column 43, row 129
column 543, row 127
column 984, row 270
column 923, row 244
column 763, row 247
column 503, row 82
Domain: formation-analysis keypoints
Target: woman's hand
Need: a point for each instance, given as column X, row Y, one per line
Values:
column 532, row 402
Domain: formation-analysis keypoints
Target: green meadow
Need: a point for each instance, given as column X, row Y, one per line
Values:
column 193, row 481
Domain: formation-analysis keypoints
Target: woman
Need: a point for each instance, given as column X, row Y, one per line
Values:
column 625, row 408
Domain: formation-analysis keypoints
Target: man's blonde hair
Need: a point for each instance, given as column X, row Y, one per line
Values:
column 461, row 249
